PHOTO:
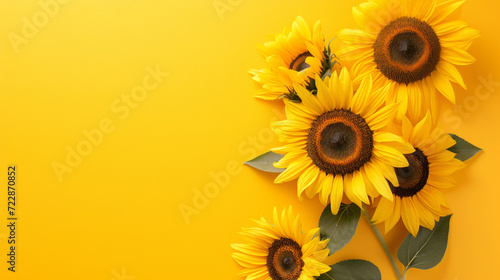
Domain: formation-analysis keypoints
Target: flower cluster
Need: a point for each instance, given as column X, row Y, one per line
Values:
column 367, row 133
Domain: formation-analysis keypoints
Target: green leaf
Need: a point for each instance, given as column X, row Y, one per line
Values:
column 265, row 162
column 352, row 270
column 463, row 149
column 427, row 249
column 339, row 228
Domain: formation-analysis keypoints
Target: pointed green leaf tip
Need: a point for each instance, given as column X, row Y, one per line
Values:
column 427, row 249
column 463, row 149
column 265, row 162
column 352, row 270
column 339, row 228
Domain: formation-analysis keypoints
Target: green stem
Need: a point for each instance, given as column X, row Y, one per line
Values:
column 383, row 243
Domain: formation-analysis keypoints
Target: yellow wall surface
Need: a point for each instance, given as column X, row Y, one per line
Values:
column 117, row 114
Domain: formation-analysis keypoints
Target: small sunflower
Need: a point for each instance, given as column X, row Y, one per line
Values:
column 418, row 200
column 334, row 142
column 413, row 46
column 294, row 57
column 280, row 250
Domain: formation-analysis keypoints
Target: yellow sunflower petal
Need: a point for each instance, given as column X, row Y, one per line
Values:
column 321, row 255
column 377, row 98
column 316, row 53
column 360, row 17
column 293, row 171
column 287, row 222
column 249, row 249
column 337, row 95
column 429, row 91
column 296, row 110
column 444, row 86
column 315, row 188
column 449, row 71
column 309, row 236
column 309, row 100
column 441, row 182
column 415, row 101
column 443, row 10
column 393, row 220
column 289, row 158
column 349, row 191
column 443, row 156
column 409, row 215
column 310, row 247
column 382, row 117
column 336, row 193
column 388, row 171
column 421, row 9
column 346, row 89
column 362, row 95
column 326, row 187
column 258, row 274
column 387, row 137
column 378, row 180
column 318, row 39
column 401, row 99
column 289, row 147
column 300, row 26
column 406, row 129
column 426, row 217
column 432, row 198
column 320, row 267
column 248, row 260
column 457, row 57
column 441, row 143
column 390, row 156
column 357, row 35
column 461, row 38
column 324, row 95
column 421, row 131
column 307, row 178
column 385, row 209
column 445, row 168
column 358, row 186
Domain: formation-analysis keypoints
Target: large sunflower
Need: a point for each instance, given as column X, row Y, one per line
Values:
column 334, row 142
column 417, row 200
column 280, row 250
column 294, row 57
column 411, row 45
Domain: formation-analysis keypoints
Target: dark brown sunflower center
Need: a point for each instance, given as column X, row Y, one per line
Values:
column 407, row 50
column 299, row 63
column 413, row 178
column 340, row 142
column 284, row 261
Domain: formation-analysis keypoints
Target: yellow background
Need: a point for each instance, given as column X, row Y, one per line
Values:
column 117, row 214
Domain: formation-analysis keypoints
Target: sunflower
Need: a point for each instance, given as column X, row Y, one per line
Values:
column 280, row 250
column 418, row 200
column 334, row 142
column 413, row 46
column 294, row 57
